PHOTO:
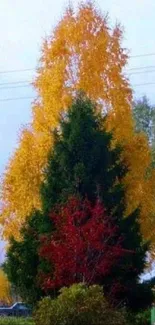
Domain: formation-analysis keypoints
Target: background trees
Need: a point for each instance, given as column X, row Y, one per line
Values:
column 144, row 115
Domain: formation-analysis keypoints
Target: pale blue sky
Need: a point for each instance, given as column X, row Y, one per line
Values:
column 24, row 24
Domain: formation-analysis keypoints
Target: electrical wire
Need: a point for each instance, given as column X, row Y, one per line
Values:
column 26, row 83
column 15, row 98
column 33, row 69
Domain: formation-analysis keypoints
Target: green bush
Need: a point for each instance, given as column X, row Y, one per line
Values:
column 141, row 318
column 15, row 321
column 78, row 305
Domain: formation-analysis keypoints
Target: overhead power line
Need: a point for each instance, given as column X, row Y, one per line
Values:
column 24, row 70
column 15, row 98
column 28, row 83
column 142, row 55
column 14, row 87
column 144, row 84
column 18, row 70
column 33, row 69
column 15, row 82
column 140, row 72
column 27, row 97
column 141, row 68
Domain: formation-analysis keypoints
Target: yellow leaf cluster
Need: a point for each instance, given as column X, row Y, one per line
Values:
column 4, row 288
column 82, row 53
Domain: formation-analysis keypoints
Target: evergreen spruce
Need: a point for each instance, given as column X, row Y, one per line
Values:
column 84, row 163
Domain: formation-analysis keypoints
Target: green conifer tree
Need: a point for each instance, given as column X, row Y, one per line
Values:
column 84, row 163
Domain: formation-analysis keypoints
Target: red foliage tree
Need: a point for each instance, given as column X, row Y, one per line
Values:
column 83, row 248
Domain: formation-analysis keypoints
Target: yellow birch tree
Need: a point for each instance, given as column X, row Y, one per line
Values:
column 83, row 52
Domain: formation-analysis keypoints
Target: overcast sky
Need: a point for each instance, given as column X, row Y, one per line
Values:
column 24, row 24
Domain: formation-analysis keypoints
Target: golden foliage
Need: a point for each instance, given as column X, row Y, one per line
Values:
column 4, row 288
column 82, row 53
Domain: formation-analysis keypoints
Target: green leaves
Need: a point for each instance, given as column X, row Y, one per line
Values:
column 78, row 305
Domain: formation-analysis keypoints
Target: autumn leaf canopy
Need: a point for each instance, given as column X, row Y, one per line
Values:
column 82, row 53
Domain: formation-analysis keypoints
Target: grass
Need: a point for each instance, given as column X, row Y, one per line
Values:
column 15, row 321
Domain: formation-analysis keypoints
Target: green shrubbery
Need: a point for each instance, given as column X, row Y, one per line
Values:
column 78, row 305
column 141, row 318
column 15, row 321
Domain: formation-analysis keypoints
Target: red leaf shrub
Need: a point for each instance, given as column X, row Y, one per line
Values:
column 83, row 248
